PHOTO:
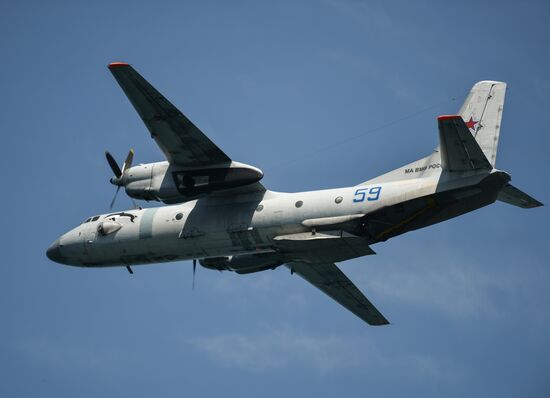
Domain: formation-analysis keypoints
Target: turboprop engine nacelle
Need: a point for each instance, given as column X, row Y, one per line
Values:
column 245, row 263
column 172, row 184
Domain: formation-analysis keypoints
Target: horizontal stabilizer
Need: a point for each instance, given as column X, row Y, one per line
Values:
column 459, row 149
column 511, row 195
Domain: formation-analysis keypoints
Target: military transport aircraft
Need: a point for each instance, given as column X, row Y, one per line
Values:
column 219, row 213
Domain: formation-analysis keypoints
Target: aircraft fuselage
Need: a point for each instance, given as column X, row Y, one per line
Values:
column 224, row 227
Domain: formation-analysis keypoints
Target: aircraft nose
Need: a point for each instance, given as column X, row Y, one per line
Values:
column 54, row 252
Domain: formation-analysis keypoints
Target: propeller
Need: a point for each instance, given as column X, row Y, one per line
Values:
column 114, row 198
column 118, row 179
column 194, row 271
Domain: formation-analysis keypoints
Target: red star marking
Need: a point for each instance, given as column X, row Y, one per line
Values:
column 471, row 124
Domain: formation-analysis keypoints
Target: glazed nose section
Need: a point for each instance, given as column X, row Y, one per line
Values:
column 54, row 252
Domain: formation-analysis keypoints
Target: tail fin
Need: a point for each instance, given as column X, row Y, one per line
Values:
column 482, row 113
column 459, row 150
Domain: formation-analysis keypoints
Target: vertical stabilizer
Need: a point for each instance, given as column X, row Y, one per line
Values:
column 482, row 113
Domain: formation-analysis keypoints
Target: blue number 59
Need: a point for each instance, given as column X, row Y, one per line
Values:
column 361, row 194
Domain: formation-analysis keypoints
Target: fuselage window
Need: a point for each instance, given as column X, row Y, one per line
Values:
column 339, row 199
column 179, row 216
column 260, row 207
column 298, row 203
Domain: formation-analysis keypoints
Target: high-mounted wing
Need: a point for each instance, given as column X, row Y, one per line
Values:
column 459, row 149
column 181, row 141
column 328, row 278
column 312, row 256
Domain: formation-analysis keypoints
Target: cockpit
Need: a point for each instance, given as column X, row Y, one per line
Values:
column 94, row 218
column 75, row 246
column 112, row 217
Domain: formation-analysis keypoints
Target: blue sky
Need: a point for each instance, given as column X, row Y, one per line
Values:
column 318, row 95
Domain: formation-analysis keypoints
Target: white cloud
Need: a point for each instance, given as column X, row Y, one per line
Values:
column 275, row 349
column 458, row 291
column 456, row 284
column 288, row 348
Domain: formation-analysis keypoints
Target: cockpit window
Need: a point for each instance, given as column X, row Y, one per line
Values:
column 87, row 220
column 95, row 218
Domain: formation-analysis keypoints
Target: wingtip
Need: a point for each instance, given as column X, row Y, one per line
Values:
column 447, row 117
column 117, row 64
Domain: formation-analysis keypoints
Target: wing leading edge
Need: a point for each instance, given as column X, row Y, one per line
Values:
column 180, row 140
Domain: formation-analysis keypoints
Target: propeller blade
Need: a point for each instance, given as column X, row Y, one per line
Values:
column 114, row 198
column 114, row 166
column 128, row 162
column 118, row 180
column 194, row 271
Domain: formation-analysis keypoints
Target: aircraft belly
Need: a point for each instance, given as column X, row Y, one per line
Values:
column 431, row 209
column 166, row 247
